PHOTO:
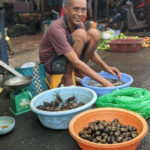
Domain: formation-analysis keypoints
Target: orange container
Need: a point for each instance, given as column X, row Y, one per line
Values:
column 125, row 117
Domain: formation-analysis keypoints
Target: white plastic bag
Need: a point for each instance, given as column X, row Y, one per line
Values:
column 28, row 64
column 110, row 33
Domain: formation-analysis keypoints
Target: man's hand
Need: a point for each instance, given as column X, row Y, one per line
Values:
column 107, row 84
column 97, row 59
column 114, row 71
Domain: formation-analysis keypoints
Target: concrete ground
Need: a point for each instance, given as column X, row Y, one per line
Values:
column 29, row 134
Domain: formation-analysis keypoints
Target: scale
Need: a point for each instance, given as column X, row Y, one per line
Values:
column 20, row 97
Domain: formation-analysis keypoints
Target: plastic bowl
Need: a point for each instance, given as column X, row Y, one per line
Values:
column 61, row 119
column 105, row 90
column 7, row 122
column 126, row 117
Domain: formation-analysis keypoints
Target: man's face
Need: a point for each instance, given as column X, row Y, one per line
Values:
column 76, row 11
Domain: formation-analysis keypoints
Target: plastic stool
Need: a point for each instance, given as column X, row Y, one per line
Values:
column 55, row 80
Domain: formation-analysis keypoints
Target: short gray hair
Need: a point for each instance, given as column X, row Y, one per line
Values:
column 67, row 2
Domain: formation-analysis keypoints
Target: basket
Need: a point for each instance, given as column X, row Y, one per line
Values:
column 126, row 45
column 38, row 84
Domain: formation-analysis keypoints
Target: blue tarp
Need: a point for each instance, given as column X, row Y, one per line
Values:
column 3, row 48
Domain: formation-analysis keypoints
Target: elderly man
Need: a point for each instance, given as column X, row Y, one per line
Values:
column 66, row 46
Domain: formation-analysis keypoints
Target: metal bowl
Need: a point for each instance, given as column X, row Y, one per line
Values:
column 19, row 82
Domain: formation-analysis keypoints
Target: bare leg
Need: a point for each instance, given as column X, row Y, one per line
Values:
column 79, row 39
column 93, row 38
column 67, row 78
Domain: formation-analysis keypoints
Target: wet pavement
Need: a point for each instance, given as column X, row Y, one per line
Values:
column 29, row 134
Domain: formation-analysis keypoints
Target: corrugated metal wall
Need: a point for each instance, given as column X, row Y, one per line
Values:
column 3, row 48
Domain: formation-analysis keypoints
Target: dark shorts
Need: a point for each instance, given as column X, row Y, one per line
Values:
column 59, row 63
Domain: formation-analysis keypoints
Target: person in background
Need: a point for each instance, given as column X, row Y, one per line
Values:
column 67, row 46
column 89, row 8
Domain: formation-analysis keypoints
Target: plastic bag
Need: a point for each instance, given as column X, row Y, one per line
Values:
column 110, row 33
column 134, row 99
column 28, row 64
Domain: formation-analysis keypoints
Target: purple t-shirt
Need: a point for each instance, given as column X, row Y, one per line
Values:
column 55, row 40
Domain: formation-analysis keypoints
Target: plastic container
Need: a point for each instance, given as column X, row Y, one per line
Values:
column 104, row 90
column 126, row 45
column 8, row 123
column 126, row 117
column 61, row 119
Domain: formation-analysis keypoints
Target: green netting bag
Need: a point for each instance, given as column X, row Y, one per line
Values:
column 134, row 99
